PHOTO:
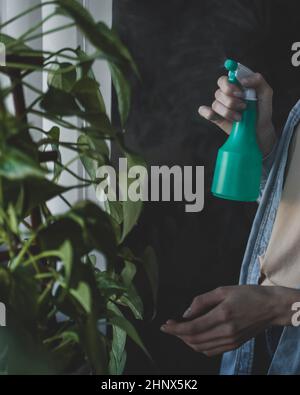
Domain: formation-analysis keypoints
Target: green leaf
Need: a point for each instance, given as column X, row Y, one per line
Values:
column 87, row 92
column 29, row 193
column 86, row 226
column 133, row 301
column 89, row 163
column 83, row 295
column 40, row 191
column 54, row 133
column 131, row 298
column 14, row 164
column 12, row 219
column 117, row 354
column 61, row 79
column 115, row 210
column 100, row 125
column 123, row 91
column 66, row 255
column 92, row 154
column 5, row 284
column 109, row 286
column 10, row 126
column 19, row 46
column 98, row 34
column 23, row 296
column 126, row 326
column 60, row 103
column 65, row 349
column 128, row 273
column 131, row 210
column 95, row 346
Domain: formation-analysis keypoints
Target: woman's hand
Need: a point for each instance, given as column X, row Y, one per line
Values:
column 225, row 318
column 229, row 104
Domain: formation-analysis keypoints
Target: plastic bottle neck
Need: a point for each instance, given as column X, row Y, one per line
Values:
column 244, row 131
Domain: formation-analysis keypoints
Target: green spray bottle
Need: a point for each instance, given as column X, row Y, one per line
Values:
column 238, row 167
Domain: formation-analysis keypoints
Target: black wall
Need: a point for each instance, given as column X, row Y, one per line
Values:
column 180, row 47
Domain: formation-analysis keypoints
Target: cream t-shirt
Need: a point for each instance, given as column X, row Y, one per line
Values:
column 280, row 265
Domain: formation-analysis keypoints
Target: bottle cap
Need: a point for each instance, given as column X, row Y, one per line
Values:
column 236, row 73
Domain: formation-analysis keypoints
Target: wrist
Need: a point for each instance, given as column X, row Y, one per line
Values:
column 283, row 300
column 267, row 141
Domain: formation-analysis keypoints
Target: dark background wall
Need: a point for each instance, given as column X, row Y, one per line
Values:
column 180, row 47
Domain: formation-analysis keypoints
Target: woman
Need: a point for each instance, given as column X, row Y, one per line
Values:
column 252, row 323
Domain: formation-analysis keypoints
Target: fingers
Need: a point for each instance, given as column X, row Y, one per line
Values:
column 203, row 303
column 215, row 347
column 205, row 322
column 211, row 334
column 258, row 83
column 226, row 112
column 230, row 89
column 189, row 328
column 227, row 106
column 230, row 102
column 209, row 114
column 219, row 335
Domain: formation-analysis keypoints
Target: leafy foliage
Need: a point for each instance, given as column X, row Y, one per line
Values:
column 64, row 313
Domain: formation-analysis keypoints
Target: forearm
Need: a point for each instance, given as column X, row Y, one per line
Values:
column 267, row 141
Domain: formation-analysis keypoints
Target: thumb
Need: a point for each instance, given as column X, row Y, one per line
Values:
column 204, row 303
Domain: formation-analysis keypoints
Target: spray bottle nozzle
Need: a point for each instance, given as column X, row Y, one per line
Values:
column 236, row 73
column 231, row 65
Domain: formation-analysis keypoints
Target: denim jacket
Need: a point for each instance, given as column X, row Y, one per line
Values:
column 286, row 355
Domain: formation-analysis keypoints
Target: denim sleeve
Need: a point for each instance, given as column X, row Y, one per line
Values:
column 267, row 166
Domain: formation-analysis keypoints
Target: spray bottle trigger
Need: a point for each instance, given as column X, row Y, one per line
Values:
column 243, row 72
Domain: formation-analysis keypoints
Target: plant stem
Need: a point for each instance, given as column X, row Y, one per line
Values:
column 65, row 201
column 75, row 175
column 51, row 31
column 42, row 255
column 15, row 263
column 28, row 11
column 53, row 118
column 27, row 33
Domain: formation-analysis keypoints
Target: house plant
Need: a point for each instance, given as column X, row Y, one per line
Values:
column 65, row 315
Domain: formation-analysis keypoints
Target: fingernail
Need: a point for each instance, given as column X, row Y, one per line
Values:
column 239, row 94
column 200, row 110
column 243, row 106
column 187, row 313
column 237, row 117
column 163, row 328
